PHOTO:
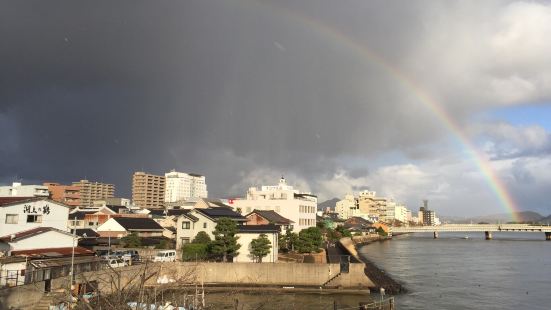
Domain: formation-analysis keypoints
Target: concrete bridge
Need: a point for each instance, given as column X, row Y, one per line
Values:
column 486, row 228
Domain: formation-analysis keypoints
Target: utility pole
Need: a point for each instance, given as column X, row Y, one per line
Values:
column 72, row 264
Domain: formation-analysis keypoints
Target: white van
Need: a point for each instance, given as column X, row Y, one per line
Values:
column 165, row 256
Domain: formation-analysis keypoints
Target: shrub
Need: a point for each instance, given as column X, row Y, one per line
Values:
column 194, row 251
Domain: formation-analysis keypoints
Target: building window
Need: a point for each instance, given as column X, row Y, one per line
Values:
column 12, row 218
column 34, row 218
column 185, row 225
column 204, row 225
column 185, row 240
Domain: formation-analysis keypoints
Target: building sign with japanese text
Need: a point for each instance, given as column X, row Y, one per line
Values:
column 36, row 210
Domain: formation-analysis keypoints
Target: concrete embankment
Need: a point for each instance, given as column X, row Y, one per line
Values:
column 374, row 273
column 237, row 275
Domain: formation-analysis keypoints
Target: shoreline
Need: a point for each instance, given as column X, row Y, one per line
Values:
column 248, row 289
column 379, row 277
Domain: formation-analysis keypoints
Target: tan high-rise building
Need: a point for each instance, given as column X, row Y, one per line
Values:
column 68, row 194
column 148, row 190
column 92, row 191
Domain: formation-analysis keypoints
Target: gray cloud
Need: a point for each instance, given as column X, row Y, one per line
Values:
column 237, row 90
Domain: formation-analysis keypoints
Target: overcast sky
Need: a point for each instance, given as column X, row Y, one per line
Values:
column 247, row 91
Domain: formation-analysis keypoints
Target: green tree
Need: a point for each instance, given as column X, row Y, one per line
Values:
column 381, row 231
column 225, row 239
column 131, row 241
column 201, row 237
column 260, row 247
column 287, row 241
column 309, row 240
column 164, row 244
column 343, row 231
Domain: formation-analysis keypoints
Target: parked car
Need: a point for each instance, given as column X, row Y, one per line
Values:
column 116, row 262
column 132, row 255
column 165, row 256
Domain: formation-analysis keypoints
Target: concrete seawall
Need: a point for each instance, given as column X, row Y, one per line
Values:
column 318, row 276
column 371, row 271
column 247, row 274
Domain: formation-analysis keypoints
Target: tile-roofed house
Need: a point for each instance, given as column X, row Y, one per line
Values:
column 117, row 209
column 247, row 233
column 55, row 252
column 167, row 218
column 8, row 200
column 268, row 228
column 358, row 224
column 263, row 217
column 216, row 213
column 122, row 226
column 86, row 233
column 202, row 219
column 92, row 217
column 35, row 238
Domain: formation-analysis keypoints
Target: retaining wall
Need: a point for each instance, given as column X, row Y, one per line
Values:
column 21, row 297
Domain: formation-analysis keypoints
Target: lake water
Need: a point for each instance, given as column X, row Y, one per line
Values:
column 513, row 271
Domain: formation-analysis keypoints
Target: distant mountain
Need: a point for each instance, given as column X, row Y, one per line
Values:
column 546, row 220
column 328, row 204
column 524, row 216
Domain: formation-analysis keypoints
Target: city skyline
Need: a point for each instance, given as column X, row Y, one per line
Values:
column 337, row 98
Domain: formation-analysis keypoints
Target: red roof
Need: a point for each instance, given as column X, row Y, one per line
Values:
column 29, row 233
column 54, row 252
column 8, row 200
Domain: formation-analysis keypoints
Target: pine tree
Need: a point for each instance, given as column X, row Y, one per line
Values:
column 201, row 237
column 131, row 241
column 309, row 240
column 225, row 241
column 260, row 247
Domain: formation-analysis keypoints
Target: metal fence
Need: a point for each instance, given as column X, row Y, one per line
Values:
column 10, row 278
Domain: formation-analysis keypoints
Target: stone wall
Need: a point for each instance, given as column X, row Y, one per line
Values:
column 21, row 297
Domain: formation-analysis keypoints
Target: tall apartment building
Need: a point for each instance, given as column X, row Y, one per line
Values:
column 373, row 206
column 183, row 186
column 67, row 194
column 148, row 190
column 283, row 199
column 91, row 191
column 19, row 190
column 348, row 207
column 401, row 213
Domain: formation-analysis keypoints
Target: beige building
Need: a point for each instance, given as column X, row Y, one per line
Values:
column 290, row 203
column 348, row 207
column 92, row 191
column 148, row 190
column 372, row 205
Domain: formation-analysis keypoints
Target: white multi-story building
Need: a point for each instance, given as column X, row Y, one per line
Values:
column 401, row 213
column 297, row 206
column 19, row 190
column 183, row 186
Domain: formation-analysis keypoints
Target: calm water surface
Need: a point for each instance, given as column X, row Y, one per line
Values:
column 513, row 271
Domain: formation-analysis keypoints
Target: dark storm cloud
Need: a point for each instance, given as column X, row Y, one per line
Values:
column 99, row 90
column 224, row 88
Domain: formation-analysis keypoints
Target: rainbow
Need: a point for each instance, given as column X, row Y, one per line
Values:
column 482, row 163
